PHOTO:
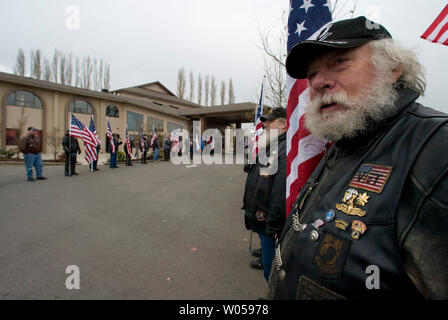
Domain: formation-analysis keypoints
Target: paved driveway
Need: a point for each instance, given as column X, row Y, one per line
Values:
column 154, row 231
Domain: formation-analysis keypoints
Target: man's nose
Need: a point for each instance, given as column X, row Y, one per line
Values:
column 322, row 81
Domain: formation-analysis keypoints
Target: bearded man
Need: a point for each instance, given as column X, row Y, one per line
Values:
column 372, row 220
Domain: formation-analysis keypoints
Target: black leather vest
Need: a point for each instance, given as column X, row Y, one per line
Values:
column 325, row 261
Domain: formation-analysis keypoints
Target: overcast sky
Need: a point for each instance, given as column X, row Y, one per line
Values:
column 148, row 40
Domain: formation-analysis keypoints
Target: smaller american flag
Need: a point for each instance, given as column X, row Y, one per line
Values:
column 78, row 130
column 91, row 154
column 142, row 141
column 154, row 136
column 438, row 30
column 111, row 138
column 128, row 143
column 371, row 177
column 258, row 125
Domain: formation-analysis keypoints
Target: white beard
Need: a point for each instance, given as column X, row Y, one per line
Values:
column 375, row 102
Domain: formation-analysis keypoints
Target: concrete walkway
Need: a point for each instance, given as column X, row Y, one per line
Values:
column 154, row 231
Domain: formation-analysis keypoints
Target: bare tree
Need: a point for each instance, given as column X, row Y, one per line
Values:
column 89, row 70
column 20, row 68
column 231, row 92
column 86, row 73
column 106, row 82
column 21, row 122
column 54, row 139
column 69, row 69
column 181, row 83
column 101, row 73
column 62, row 65
column 55, row 65
column 95, row 74
column 206, row 89
column 77, row 72
column 275, row 85
column 191, row 86
column 199, row 88
column 274, row 48
column 213, row 91
column 223, row 92
column 47, row 70
column 36, row 64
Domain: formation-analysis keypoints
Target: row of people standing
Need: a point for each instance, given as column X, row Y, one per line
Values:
column 143, row 147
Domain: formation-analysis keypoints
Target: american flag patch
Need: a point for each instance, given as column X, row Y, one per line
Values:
column 371, row 177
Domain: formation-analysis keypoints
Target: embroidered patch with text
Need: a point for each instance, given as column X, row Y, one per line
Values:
column 371, row 177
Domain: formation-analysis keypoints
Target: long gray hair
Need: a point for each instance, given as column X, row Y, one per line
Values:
column 388, row 54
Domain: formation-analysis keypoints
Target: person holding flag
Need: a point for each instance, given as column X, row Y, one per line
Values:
column 91, row 141
column 143, row 146
column 128, row 149
column 71, row 147
column 264, row 196
column 93, row 151
column 154, row 145
column 113, row 143
column 371, row 221
column 167, row 147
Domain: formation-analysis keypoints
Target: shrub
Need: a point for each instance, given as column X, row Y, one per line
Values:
column 121, row 156
column 8, row 154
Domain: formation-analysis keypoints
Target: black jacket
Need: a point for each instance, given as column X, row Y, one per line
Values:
column 167, row 144
column 267, row 193
column 399, row 172
column 70, row 144
column 155, row 144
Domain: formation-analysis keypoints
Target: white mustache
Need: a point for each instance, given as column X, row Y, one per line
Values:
column 340, row 98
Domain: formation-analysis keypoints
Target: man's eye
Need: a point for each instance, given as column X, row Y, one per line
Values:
column 311, row 75
column 341, row 60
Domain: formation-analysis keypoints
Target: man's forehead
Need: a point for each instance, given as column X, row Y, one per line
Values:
column 328, row 53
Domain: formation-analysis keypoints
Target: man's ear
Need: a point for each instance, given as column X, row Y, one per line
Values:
column 397, row 72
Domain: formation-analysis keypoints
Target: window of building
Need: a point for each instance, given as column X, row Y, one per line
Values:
column 173, row 126
column 158, row 124
column 81, row 106
column 135, row 121
column 174, row 107
column 24, row 99
column 112, row 111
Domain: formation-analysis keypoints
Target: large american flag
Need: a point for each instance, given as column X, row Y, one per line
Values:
column 78, row 130
column 303, row 151
column 109, row 135
column 91, row 153
column 258, row 126
column 128, row 143
column 438, row 30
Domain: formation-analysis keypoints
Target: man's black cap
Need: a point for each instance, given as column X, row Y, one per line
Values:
column 276, row 113
column 348, row 33
column 31, row 128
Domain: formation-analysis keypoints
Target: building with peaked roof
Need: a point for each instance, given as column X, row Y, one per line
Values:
column 47, row 106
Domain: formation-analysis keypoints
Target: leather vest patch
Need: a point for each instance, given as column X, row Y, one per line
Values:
column 371, row 177
column 310, row 290
column 330, row 256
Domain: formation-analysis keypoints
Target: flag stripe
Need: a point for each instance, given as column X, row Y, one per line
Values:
column 436, row 23
column 438, row 30
column 303, row 150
